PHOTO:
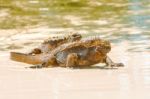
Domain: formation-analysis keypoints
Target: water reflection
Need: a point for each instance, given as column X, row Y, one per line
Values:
column 117, row 21
column 138, row 19
column 139, row 41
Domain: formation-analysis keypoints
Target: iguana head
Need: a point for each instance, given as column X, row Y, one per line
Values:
column 100, row 45
column 75, row 37
column 103, row 46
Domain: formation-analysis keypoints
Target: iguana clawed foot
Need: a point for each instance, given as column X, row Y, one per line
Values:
column 36, row 66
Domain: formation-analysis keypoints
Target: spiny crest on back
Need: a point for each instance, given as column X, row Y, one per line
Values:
column 86, row 42
column 92, row 38
column 95, row 40
column 54, row 39
column 70, row 37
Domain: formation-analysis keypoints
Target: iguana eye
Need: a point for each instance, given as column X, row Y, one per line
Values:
column 98, row 48
column 74, row 35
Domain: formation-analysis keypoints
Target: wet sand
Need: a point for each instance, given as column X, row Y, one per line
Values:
column 129, row 82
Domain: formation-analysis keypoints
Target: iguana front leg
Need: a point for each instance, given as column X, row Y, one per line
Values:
column 71, row 60
column 111, row 64
column 38, row 66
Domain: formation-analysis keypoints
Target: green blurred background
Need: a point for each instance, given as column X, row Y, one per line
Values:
column 54, row 13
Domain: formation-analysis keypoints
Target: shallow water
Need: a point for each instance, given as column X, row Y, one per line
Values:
column 126, row 23
column 118, row 21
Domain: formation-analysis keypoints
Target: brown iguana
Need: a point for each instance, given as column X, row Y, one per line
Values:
column 86, row 52
column 53, row 42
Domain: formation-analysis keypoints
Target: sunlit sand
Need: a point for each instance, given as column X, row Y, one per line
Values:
column 131, row 81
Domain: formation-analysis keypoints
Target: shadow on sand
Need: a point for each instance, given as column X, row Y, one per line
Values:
column 75, row 68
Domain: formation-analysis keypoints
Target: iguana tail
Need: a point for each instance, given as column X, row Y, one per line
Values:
column 26, row 58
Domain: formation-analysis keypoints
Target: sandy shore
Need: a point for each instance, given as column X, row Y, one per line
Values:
column 129, row 82
column 17, row 82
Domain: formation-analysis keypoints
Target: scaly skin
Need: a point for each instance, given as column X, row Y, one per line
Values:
column 26, row 58
column 86, row 52
column 53, row 42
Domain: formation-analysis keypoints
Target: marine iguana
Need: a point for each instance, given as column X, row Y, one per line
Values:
column 86, row 52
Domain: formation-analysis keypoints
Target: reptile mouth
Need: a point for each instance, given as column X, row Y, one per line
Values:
column 103, row 49
column 76, row 37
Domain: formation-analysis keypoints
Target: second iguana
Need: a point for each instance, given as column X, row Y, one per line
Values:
column 53, row 42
